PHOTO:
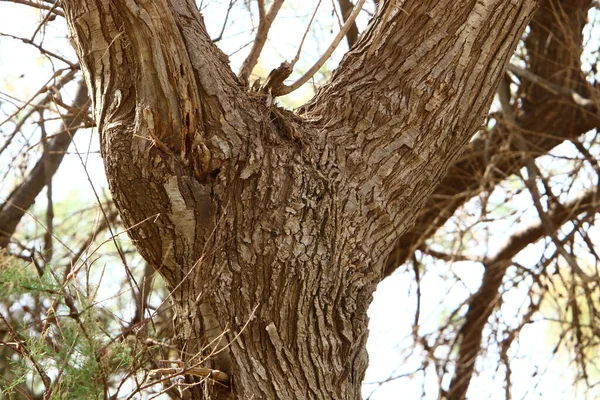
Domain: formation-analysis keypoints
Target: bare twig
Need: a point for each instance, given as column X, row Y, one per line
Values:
column 48, row 243
column 551, row 87
column 336, row 41
column 201, row 372
column 218, row 38
column 487, row 298
column 47, row 18
column 266, row 20
column 312, row 18
column 141, row 299
column 51, row 9
column 42, row 50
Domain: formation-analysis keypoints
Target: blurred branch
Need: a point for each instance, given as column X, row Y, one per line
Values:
column 551, row 87
column 141, row 299
column 48, row 243
column 42, row 50
column 110, row 216
column 352, row 34
column 68, row 77
column 52, row 9
column 488, row 298
column 24, row 196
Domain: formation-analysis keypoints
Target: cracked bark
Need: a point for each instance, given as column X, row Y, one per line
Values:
column 277, row 223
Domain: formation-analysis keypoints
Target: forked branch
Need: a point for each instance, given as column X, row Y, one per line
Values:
column 264, row 25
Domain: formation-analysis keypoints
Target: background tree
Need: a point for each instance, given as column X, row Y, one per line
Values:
column 272, row 228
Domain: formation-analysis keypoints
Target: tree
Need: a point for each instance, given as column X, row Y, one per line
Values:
column 254, row 215
column 272, row 228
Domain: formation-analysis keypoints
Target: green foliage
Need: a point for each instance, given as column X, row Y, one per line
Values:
column 17, row 280
column 67, row 348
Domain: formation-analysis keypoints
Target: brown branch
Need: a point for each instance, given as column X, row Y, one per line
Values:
column 26, row 112
column 488, row 298
column 201, row 372
column 551, row 87
column 532, row 173
column 145, row 290
column 352, row 34
column 47, row 18
column 334, row 44
column 108, row 218
column 48, row 235
column 218, row 38
column 312, row 18
column 24, row 196
column 51, row 9
column 264, row 25
column 41, row 49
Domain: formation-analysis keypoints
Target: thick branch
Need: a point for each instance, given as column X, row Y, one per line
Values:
column 545, row 123
column 421, row 71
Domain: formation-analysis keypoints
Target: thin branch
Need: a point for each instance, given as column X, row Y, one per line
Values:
column 41, row 49
column 51, row 9
column 141, row 299
column 102, row 225
column 45, row 88
column 551, row 87
column 487, row 298
column 336, row 41
column 218, row 38
column 264, row 25
column 530, row 182
column 48, row 243
column 312, row 18
column 47, row 18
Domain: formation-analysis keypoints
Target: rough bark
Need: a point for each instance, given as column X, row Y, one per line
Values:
column 271, row 227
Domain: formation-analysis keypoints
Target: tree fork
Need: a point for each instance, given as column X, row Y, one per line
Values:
column 279, row 240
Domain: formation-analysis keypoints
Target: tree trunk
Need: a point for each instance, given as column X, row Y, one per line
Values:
column 272, row 228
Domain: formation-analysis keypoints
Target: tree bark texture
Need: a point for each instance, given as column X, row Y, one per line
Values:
column 270, row 226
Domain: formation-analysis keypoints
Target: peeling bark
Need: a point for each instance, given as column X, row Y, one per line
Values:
column 274, row 228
